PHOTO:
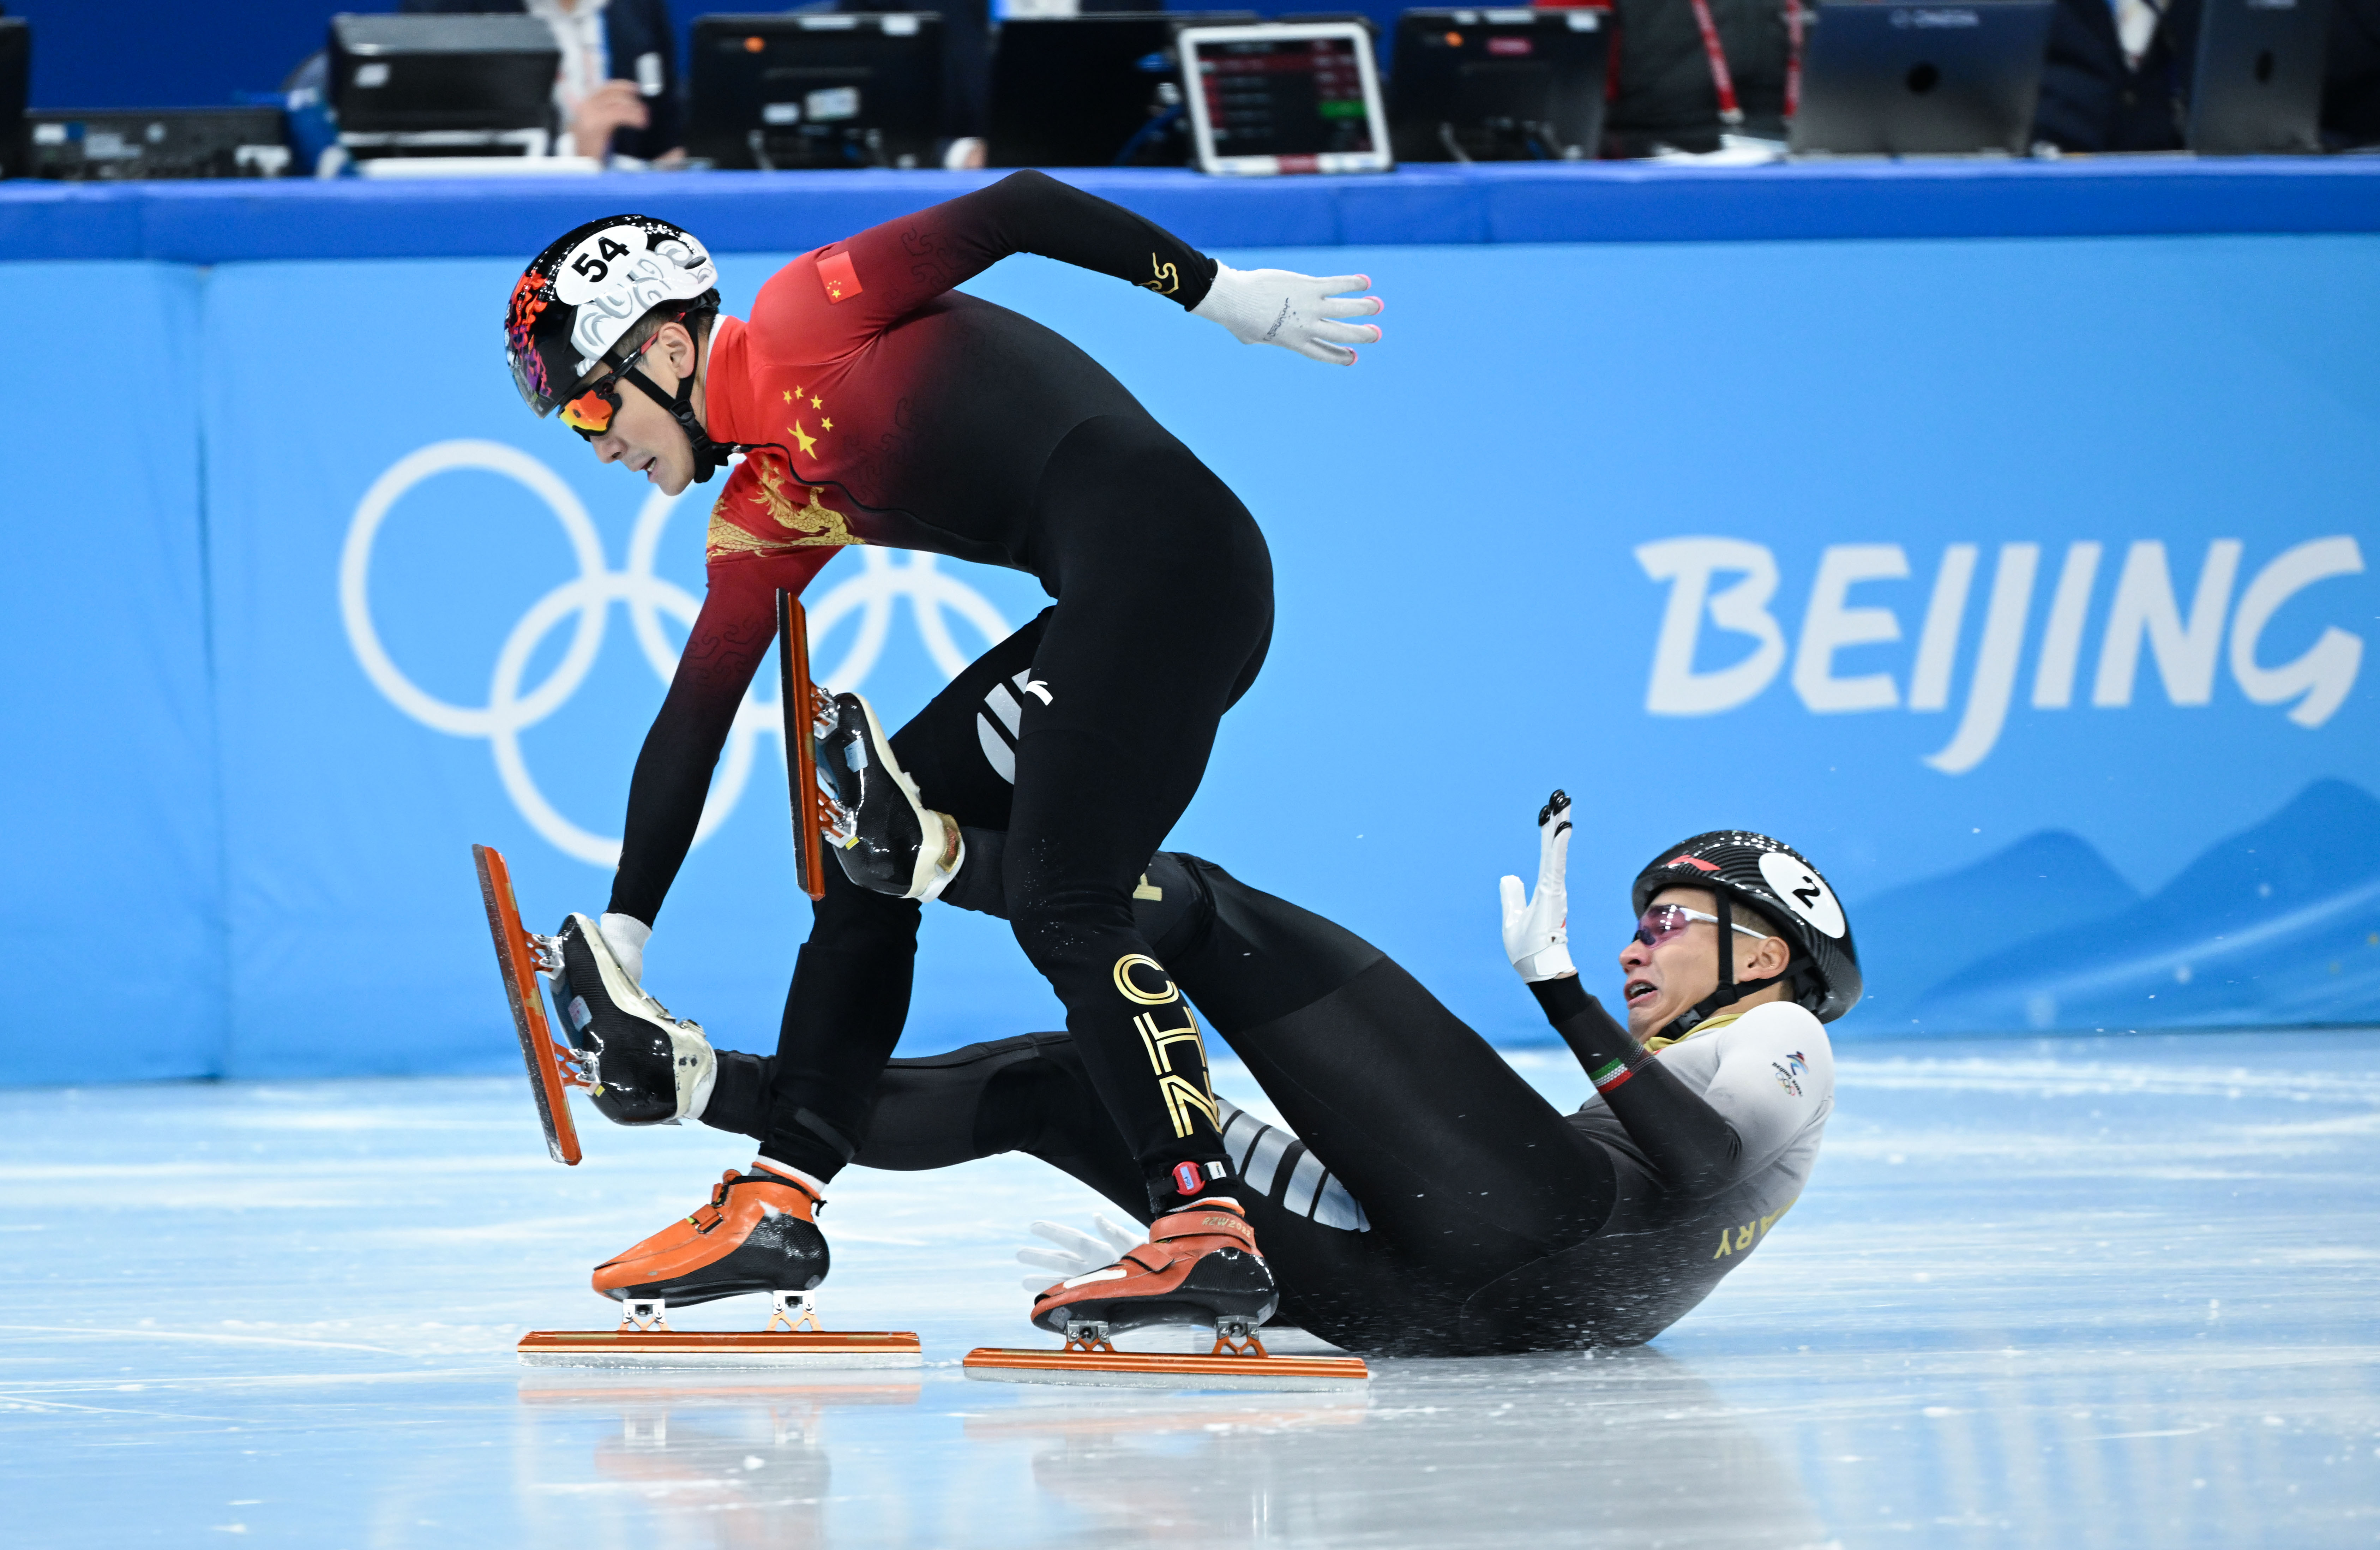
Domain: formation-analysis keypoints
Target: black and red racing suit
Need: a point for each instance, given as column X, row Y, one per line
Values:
column 892, row 410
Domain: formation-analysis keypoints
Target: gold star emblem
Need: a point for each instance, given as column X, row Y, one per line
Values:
column 804, row 438
column 814, row 403
column 826, row 425
column 789, row 398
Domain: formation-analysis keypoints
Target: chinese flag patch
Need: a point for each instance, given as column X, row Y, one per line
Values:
column 839, row 278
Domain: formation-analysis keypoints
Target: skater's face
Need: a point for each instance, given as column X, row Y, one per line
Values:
column 1664, row 977
column 644, row 436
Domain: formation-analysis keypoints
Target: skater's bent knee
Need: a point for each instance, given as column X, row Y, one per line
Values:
column 1070, row 926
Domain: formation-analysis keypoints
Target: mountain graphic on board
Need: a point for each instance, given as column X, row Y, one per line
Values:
column 2279, row 924
column 1917, row 936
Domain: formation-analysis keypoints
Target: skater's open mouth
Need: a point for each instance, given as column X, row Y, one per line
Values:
column 1638, row 989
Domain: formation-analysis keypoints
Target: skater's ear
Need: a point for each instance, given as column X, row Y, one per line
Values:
column 676, row 349
column 1764, row 958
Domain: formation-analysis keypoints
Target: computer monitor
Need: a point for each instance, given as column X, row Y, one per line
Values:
column 2258, row 85
column 1279, row 98
column 1092, row 91
column 819, row 89
column 1495, row 86
column 15, row 67
column 85, row 145
column 1922, row 80
column 443, row 85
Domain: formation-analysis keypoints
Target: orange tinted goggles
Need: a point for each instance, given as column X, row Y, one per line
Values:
column 598, row 403
column 590, row 412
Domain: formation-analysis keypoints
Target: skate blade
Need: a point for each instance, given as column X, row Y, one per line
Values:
column 517, row 965
column 1128, row 1369
column 664, row 1348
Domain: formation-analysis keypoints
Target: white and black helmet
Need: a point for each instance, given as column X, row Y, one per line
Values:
column 1743, row 868
column 589, row 287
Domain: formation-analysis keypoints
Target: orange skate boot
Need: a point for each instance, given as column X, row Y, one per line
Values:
column 1200, row 1265
column 759, row 1232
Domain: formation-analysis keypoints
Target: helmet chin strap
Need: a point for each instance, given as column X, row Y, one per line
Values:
column 709, row 456
column 1730, row 989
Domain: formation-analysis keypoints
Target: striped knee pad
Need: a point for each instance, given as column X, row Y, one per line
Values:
column 1277, row 1164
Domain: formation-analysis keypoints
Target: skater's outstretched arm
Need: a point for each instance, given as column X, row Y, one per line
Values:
column 1695, row 1149
column 729, row 638
column 848, row 291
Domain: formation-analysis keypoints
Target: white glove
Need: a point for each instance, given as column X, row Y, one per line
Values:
column 1294, row 311
column 1077, row 1253
column 626, row 936
column 1537, row 931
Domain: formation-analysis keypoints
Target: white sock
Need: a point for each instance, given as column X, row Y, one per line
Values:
column 816, row 1186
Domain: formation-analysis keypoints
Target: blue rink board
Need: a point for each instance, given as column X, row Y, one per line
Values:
column 1488, row 539
column 2107, row 1293
column 235, row 220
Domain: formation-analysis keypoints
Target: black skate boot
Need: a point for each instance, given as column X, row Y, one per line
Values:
column 650, row 1068
column 889, row 842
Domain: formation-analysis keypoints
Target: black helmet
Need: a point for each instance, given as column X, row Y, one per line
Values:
column 590, row 286
column 1741, row 867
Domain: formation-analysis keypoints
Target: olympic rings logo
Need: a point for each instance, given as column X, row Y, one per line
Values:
column 584, row 604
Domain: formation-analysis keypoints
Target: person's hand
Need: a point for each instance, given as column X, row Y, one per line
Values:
column 1537, row 931
column 611, row 106
column 1076, row 1253
column 1294, row 311
column 626, row 936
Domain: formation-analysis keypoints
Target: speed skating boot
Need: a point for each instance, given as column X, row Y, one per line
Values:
column 889, row 841
column 759, row 1232
column 650, row 1067
column 1199, row 1266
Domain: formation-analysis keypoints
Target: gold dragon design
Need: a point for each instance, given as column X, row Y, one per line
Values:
column 814, row 525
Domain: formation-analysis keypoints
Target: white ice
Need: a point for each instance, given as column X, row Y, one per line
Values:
column 2114, row 1292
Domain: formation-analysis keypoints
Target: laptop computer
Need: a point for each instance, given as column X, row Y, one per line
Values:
column 94, row 145
column 1284, row 98
column 1095, row 91
column 829, row 89
column 1922, row 80
column 2257, row 89
column 1498, row 85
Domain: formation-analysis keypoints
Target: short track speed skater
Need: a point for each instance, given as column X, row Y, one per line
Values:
column 637, row 1064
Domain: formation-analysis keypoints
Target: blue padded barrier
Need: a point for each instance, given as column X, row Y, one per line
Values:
column 238, row 220
column 111, row 841
column 1771, row 532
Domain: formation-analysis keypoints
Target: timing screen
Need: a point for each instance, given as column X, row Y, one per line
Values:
column 1284, row 97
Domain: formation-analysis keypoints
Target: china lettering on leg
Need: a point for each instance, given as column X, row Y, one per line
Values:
column 1186, row 1086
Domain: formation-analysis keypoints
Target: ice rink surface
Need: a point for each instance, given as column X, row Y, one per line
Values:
column 2104, row 1292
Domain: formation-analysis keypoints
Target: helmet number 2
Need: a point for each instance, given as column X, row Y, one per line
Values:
column 1802, row 890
